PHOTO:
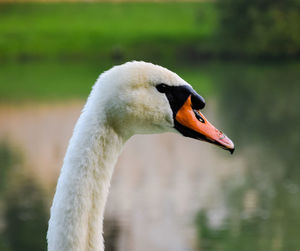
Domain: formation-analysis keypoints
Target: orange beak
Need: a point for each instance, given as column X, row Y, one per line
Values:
column 195, row 125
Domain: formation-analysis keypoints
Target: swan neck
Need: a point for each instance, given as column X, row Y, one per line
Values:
column 76, row 221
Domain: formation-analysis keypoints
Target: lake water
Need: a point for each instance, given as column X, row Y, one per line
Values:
column 169, row 192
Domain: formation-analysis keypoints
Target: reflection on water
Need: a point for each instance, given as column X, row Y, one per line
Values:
column 159, row 184
column 264, row 121
column 23, row 209
column 173, row 193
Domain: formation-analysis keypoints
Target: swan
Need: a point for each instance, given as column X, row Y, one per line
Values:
column 133, row 98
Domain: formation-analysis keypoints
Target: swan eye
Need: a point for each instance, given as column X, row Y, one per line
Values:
column 162, row 88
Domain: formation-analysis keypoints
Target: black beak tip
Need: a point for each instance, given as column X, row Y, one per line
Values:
column 231, row 150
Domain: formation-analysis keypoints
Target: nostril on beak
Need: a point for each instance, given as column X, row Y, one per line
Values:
column 198, row 116
column 198, row 102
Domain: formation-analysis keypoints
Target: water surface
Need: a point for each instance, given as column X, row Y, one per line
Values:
column 169, row 192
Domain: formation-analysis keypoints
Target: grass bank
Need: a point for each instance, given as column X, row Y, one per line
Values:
column 107, row 31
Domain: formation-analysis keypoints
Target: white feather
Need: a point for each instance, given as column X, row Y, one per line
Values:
column 123, row 102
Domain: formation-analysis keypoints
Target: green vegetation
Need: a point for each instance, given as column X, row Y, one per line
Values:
column 163, row 32
column 23, row 210
column 52, row 80
column 106, row 31
column 260, row 28
column 56, row 50
column 25, row 217
column 7, row 160
column 46, row 81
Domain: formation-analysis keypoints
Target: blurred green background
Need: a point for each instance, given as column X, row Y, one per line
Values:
column 244, row 54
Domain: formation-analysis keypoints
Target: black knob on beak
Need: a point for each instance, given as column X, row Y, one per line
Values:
column 198, row 102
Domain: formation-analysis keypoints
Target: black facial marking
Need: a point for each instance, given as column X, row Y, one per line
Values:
column 177, row 95
column 197, row 101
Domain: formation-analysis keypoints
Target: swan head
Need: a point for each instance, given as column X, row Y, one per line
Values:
column 143, row 98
